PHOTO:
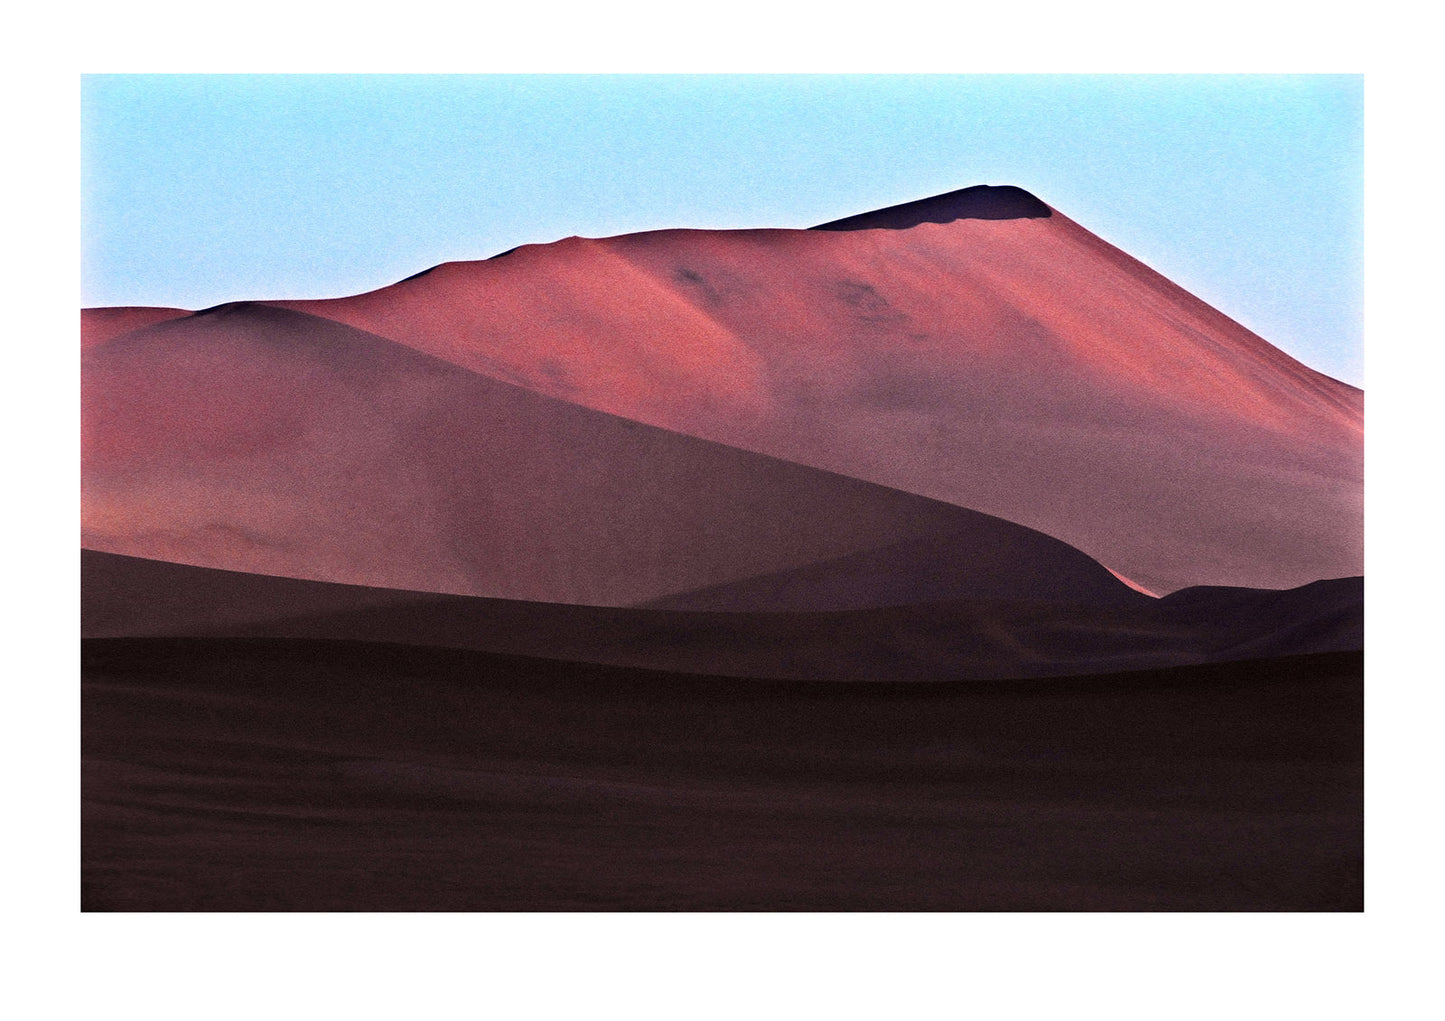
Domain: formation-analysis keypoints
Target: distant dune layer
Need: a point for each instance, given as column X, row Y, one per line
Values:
column 1021, row 367
column 940, row 640
column 261, row 439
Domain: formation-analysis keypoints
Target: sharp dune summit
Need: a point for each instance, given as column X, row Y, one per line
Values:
column 981, row 202
column 937, row 557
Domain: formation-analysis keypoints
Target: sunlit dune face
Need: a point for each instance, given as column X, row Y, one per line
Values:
column 571, row 321
column 265, row 440
column 1021, row 367
column 654, row 325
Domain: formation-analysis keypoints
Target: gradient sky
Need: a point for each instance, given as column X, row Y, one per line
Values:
column 1246, row 190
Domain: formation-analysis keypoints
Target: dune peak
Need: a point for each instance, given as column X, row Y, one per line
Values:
column 980, row 202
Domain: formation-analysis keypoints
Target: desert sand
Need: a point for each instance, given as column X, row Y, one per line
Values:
column 977, row 638
column 267, row 775
column 1020, row 367
column 97, row 325
column 260, row 439
column 942, row 557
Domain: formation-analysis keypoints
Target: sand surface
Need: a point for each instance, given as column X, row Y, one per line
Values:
column 1020, row 367
column 98, row 325
column 947, row 640
column 260, row 439
column 724, row 570
column 271, row 775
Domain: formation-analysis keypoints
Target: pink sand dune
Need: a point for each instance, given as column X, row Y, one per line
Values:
column 259, row 439
column 977, row 348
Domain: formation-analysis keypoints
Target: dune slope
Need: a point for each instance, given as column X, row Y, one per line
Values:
column 260, row 439
column 1002, row 360
column 98, row 325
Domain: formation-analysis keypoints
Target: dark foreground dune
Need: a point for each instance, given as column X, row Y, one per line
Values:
column 258, row 743
column 254, row 774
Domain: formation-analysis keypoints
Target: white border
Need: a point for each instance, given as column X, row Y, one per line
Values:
column 725, row 966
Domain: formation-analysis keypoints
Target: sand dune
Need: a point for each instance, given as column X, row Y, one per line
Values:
column 98, row 325
column 1021, row 367
column 758, row 570
column 991, row 559
column 260, row 439
column 950, row 640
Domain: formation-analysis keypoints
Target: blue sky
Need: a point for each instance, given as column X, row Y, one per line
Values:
column 1247, row 190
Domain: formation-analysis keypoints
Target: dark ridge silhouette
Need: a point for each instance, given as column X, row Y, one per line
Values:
column 962, row 638
column 981, row 202
column 222, row 309
column 256, row 774
column 501, row 255
column 418, row 276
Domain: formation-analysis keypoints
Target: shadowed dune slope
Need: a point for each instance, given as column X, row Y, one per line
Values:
column 1022, row 367
column 259, row 439
column 994, row 560
column 960, row 639
column 97, row 325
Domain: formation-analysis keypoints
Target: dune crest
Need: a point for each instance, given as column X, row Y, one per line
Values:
column 98, row 325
